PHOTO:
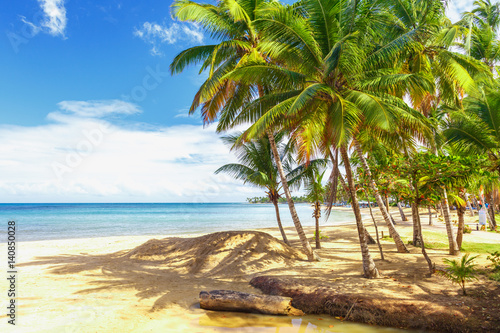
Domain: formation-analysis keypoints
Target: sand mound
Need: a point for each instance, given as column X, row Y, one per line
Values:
column 229, row 253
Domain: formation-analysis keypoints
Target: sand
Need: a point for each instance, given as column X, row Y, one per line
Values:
column 148, row 284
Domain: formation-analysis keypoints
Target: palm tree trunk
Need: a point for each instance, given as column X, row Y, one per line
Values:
column 388, row 209
column 276, row 208
column 369, row 238
column 300, row 231
column 344, row 185
column 415, row 218
column 430, row 214
column 375, row 224
column 491, row 209
column 418, row 224
column 401, row 212
column 392, row 219
column 471, row 212
column 331, row 196
column 461, row 223
column 474, row 202
column 316, row 217
column 421, row 238
column 452, row 243
column 392, row 230
column 369, row 269
column 488, row 217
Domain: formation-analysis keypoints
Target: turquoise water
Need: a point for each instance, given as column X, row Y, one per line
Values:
column 62, row 221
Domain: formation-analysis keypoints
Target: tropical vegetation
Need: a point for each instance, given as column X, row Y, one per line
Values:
column 460, row 272
column 403, row 102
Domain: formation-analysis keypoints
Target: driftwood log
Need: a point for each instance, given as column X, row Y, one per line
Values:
column 229, row 300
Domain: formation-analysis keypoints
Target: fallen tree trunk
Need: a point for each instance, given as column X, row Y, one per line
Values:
column 229, row 300
column 374, row 310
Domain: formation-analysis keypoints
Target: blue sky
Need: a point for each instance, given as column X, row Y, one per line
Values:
column 92, row 54
column 89, row 114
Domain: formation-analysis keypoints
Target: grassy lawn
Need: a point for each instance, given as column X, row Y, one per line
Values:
column 437, row 240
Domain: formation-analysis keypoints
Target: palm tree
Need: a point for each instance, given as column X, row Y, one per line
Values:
column 480, row 33
column 315, row 193
column 452, row 73
column 257, row 167
column 383, row 208
column 461, row 217
column 232, row 22
column 475, row 128
column 461, row 272
column 332, row 78
column 374, row 222
column 487, row 14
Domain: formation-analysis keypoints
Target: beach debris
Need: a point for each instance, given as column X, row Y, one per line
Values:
column 230, row 300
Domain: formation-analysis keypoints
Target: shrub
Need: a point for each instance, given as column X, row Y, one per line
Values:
column 494, row 257
column 320, row 236
column 495, row 276
column 460, row 272
column 467, row 229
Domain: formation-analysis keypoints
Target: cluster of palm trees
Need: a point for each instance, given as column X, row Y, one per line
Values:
column 336, row 75
column 257, row 167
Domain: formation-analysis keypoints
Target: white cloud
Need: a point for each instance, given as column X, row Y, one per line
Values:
column 457, row 7
column 193, row 33
column 53, row 19
column 85, row 158
column 159, row 34
column 34, row 28
column 98, row 108
column 183, row 113
column 55, row 13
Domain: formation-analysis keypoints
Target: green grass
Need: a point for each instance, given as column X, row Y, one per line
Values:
column 438, row 240
column 479, row 247
column 495, row 276
column 435, row 240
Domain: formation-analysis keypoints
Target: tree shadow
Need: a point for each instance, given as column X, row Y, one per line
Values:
column 164, row 274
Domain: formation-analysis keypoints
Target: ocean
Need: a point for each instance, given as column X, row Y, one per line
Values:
column 86, row 220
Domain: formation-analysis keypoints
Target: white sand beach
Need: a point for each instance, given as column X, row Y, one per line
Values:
column 100, row 285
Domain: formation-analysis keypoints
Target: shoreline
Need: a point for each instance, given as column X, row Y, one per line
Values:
column 68, row 222
column 88, row 284
column 183, row 234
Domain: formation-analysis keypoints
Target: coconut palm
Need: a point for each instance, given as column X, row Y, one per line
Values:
column 452, row 73
column 486, row 13
column 312, row 180
column 315, row 193
column 333, row 78
column 475, row 129
column 461, row 217
column 460, row 272
column 480, row 38
column 383, row 207
column 257, row 167
column 231, row 22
